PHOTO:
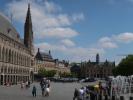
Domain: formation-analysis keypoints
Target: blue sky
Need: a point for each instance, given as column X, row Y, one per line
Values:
column 76, row 30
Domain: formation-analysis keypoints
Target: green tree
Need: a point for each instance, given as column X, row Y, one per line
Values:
column 125, row 67
column 42, row 72
column 46, row 73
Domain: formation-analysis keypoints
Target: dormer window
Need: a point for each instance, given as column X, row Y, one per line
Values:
column 8, row 31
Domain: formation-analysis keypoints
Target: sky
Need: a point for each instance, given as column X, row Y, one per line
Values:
column 76, row 30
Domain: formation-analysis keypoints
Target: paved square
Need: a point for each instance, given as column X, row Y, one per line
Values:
column 59, row 91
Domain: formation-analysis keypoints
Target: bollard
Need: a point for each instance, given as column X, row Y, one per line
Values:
column 113, row 97
column 131, row 98
column 121, row 97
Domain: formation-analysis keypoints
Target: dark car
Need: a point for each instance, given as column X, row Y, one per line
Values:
column 88, row 80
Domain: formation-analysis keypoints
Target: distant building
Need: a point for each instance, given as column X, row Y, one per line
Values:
column 45, row 60
column 97, row 69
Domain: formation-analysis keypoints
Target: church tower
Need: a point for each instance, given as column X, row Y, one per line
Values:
column 97, row 58
column 28, row 32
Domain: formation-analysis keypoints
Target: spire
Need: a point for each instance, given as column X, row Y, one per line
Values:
column 28, row 32
column 28, row 17
column 38, row 49
column 49, row 52
column 97, row 58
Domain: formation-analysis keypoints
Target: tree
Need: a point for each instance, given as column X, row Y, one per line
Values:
column 125, row 67
column 46, row 73
column 42, row 72
column 65, row 74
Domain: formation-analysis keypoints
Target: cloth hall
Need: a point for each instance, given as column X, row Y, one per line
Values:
column 16, row 54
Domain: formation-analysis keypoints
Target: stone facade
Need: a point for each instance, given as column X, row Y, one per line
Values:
column 45, row 60
column 15, row 56
column 97, row 69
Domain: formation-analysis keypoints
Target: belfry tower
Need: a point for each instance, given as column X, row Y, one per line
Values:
column 97, row 58
column 28, row 32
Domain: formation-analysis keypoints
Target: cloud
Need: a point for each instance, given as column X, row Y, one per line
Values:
column 68, row 42
column 73, row 53
column 57, row 33
column 46, row 17
column 106, row 42
column 124, row 37
column 78, row 17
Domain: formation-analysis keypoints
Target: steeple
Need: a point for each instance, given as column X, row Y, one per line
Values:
column 97, row 58
column 38, row 49
column 49, row 52
column 28, row 32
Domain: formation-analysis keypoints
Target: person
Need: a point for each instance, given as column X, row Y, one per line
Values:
column 34, row 91
column 22, row 85
column 76, row 94
column 81, row 94
column 47, row 90
column 28, row 83
column 43, row 86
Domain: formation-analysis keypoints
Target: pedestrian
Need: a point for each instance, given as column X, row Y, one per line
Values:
column 76, row 94
column 29, row 84
column 43, row 85
column 34, row 91
column 47, row 91
column 47, row 87
column 22, row 85
column 81, row 94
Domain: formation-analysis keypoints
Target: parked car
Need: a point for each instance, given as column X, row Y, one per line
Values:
column 88, row 80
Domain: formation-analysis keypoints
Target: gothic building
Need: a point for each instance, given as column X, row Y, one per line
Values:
column 45, row 60
column 16, row 54
column 97, row 69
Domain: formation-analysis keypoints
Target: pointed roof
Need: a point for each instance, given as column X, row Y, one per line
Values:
column 43, row 56
column 28, row 16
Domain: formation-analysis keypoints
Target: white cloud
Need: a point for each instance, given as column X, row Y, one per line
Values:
column 78, row 17
column 106, row 42
column 124, row 37
column 57, row 33
column 68, row 42
column 46, row 17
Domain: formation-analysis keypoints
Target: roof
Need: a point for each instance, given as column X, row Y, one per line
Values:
column 44, row 56
column 100, row 64
column 7, row 28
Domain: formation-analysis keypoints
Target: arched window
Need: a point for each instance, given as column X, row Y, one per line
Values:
column 9, row 58
column 0, row 53
column 12, row 55
column 3, row 54
column 15, row 58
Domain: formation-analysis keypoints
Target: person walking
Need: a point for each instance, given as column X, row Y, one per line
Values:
column 81, row 94
column 47, row 89
column 34, row 91
column 43, row 86
column 76, row 94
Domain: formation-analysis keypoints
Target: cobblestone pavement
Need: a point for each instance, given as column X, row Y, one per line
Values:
column 59, row 91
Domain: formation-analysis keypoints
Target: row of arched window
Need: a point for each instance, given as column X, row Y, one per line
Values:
column 11, row 56
column 11, row 70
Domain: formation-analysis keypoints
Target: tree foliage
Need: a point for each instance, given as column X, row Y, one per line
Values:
column 125, row 67
column 46, row 73
column 65, row 74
